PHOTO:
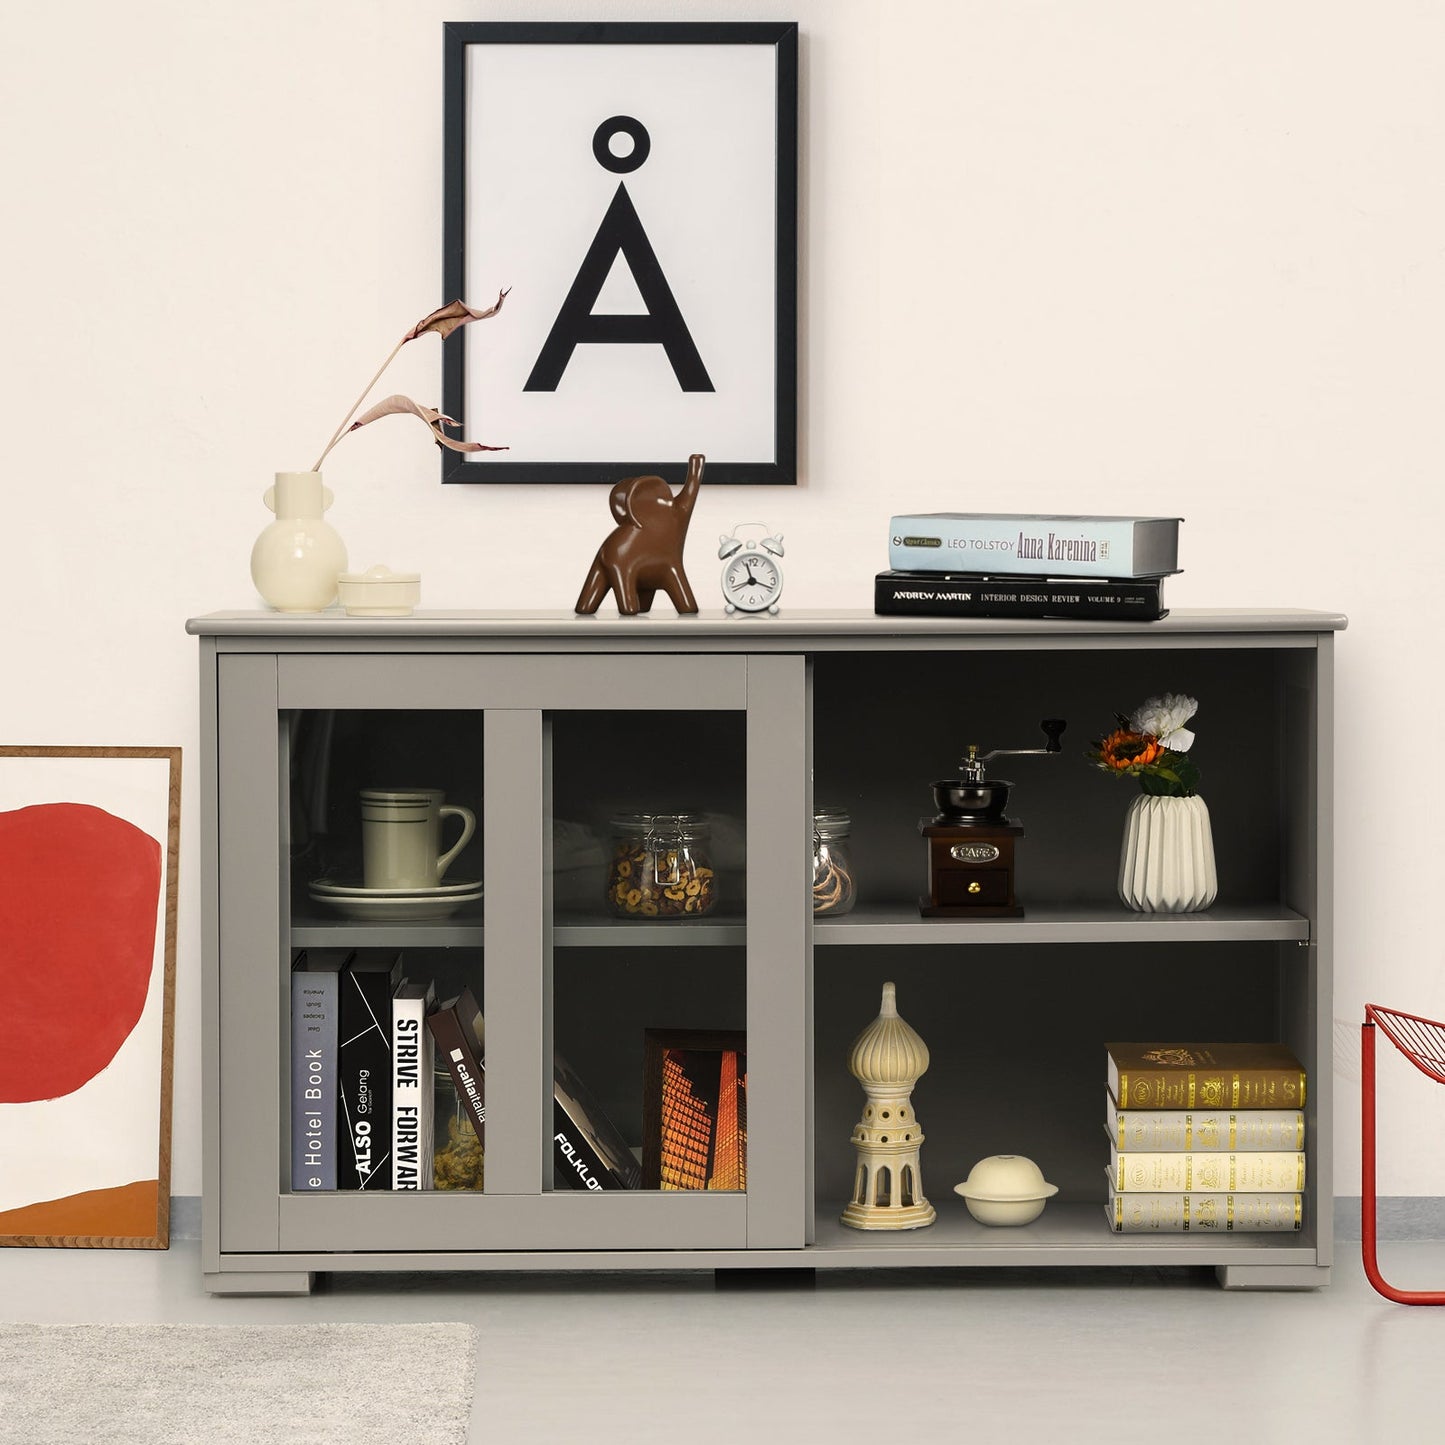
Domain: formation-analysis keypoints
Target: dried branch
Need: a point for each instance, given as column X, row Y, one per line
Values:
column 442, row 322
column 435, row 420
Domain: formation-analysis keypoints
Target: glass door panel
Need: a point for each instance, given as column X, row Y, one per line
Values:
column 649, row 958
column 362, row 812
column 338, row 754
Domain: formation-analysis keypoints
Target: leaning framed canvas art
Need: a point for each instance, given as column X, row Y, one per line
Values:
column 89, row 841
column 633, row 188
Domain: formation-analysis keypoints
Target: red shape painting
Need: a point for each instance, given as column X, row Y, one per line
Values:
column 89, row 844
column 81, row 886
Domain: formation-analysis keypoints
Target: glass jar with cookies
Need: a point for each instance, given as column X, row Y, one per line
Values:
column 661, row 867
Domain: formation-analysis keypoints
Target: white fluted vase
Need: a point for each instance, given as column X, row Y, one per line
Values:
column 1166, row 864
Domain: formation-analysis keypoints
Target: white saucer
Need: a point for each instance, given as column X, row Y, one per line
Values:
column 335, row 888
column 398, row 908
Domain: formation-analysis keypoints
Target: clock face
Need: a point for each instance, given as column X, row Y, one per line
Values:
column 752, row 582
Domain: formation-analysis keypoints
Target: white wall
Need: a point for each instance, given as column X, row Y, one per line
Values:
column 1110, row 257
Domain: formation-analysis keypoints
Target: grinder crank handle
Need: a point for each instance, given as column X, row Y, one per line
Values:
column 1053, row 728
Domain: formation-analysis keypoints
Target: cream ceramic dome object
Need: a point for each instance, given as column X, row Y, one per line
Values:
column 888, row 1054
column 1005, row 1189
column 887, row 1058
column 379, row 592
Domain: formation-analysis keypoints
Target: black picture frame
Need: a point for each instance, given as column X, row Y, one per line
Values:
column 544, row 408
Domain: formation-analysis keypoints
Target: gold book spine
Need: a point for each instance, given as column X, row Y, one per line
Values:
column 1204, row 1089
column 1205, row 1213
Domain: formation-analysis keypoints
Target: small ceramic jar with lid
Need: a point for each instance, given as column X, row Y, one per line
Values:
column 834, row 890
column 661, row 866
column 1006, row 1189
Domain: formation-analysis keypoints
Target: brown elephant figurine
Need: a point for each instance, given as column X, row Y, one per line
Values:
column 642, row 555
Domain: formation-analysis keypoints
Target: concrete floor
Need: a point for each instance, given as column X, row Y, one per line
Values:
column 903, row 1356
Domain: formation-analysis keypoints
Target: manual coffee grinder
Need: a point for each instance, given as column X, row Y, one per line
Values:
column 971, row 840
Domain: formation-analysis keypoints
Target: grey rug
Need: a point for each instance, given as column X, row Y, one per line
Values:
column 361, row 1384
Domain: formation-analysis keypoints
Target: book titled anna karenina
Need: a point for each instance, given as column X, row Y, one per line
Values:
column 1037, row 545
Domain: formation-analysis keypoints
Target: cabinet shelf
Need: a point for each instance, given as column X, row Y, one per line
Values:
column 1068, row 1231
column 463, row 930
column 577, row 928
column 1073, row 923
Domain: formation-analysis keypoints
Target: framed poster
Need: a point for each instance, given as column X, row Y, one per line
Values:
column 89, row 842
column 695, row 1109
column 634, row 188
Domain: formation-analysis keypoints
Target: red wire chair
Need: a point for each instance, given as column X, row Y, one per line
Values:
column 1422, row 1041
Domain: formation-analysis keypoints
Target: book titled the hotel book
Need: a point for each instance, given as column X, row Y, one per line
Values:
column 972, row 594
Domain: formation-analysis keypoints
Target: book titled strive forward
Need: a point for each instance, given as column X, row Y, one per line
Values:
column 1042, row 546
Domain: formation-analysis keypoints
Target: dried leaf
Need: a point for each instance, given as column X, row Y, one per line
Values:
column 404, row 406
column 451, row 316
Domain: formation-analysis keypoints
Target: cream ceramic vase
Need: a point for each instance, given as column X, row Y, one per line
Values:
column 1166, row 864
column 297, row 559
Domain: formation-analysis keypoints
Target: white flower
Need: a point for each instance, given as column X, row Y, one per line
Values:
column 1164, row 718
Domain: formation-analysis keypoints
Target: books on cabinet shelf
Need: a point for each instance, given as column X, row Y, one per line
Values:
column 588, row 1152
column 315, row 1004
column 368, row 1048
column 1207, row 1170
column 1190, row 1076
column 1183, row 1129
column 456, row 1025
column 1184, row 1156
column 458, row 1160
column 982, row 594
column 1198, row 1213
column 412, row 1095
column 1025, row 544
column 363, row 1160
column 995, row 564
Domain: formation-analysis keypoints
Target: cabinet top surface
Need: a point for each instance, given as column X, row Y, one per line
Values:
column 798, row 627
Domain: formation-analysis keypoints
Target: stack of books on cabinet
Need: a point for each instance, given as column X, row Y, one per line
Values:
column 1205, row 1137
column 999, row 564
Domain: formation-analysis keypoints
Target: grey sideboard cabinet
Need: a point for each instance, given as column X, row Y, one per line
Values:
column 548, row 726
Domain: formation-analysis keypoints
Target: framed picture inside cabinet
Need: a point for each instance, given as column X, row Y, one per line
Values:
column 634, row 188
column 89, row 842
column 694, row 1109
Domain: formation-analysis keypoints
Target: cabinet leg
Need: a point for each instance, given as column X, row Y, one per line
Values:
column 786, row 1278
column 290, row 1282
column 1272, row 1276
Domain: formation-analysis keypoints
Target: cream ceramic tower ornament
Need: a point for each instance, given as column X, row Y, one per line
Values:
column 887, row 1059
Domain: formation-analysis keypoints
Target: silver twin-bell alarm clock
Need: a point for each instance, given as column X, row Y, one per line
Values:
column 752, row 581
